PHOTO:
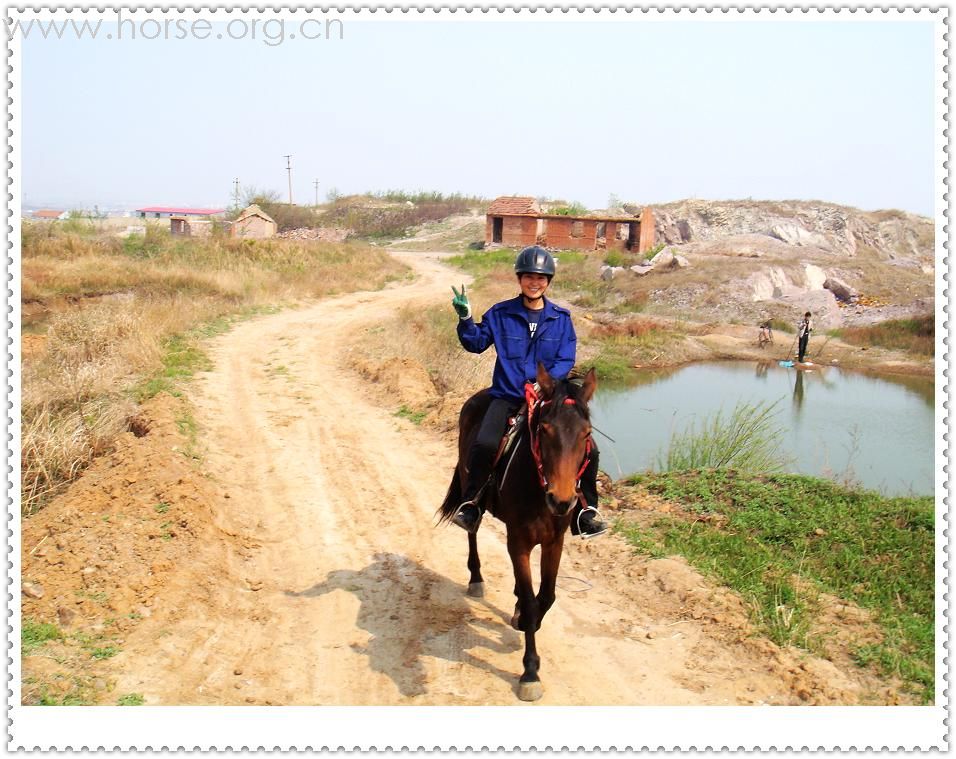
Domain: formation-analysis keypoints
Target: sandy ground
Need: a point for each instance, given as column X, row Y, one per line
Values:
column 289, row 555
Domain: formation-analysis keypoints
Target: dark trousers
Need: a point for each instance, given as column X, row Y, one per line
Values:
column 481, row 457
column 802, row 350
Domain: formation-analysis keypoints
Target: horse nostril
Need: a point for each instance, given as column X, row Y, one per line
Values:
column 560, row 508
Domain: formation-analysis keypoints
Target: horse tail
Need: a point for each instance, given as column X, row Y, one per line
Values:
column 452, row 499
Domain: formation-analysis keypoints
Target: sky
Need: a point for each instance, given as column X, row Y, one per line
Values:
column 647, row 110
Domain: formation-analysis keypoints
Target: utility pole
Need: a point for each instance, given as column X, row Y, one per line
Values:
column 236, row 191
column 316, row 183
column 288, row 167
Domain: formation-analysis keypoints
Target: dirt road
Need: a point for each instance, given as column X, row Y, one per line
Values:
column 326, row 581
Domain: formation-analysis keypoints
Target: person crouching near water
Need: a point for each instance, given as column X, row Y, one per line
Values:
column 525, row 330
column 803, row 333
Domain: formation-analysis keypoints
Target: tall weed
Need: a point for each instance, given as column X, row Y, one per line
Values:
column 749, row 441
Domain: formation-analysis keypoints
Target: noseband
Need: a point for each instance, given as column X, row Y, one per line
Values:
column 534, row 404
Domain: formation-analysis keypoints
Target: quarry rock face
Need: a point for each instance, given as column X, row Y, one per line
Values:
column 839, row 230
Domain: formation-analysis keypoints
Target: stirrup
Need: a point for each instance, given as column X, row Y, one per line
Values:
column 586, row 535
column 458, row 519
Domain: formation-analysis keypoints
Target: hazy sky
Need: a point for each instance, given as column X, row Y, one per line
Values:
column 648, row 110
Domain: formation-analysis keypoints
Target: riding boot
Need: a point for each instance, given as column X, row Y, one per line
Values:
column 470, row 512
column 587, row 521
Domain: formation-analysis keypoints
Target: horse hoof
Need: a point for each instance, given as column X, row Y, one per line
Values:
column 530, row 691
column 476, row 590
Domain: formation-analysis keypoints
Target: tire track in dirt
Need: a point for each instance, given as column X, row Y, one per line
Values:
column 330, row 585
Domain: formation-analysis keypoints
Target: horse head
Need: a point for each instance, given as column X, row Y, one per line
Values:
column 562, row 437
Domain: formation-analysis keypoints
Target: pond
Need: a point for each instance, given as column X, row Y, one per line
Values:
column 876, row 431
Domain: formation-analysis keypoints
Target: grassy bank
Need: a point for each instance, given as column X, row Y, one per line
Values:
column 917, row 336
column 786, row 543
column 125, row 317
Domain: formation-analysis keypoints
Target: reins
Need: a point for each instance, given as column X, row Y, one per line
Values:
column 534, row 404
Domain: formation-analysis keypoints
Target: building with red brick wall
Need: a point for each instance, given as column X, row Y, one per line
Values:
column 517, row 221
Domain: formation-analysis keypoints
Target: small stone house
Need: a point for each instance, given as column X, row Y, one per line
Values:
column 254, row 223
column 518, row 221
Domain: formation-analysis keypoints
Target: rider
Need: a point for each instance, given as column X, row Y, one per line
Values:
column 525, row 330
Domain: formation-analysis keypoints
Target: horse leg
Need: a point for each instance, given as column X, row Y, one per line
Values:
column 529, row 686
column 476, row 585
column 550, row 561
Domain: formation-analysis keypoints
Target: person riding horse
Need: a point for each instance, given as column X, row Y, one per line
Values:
column 526, row 330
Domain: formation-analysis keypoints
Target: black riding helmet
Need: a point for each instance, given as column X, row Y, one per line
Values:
column 535, row 260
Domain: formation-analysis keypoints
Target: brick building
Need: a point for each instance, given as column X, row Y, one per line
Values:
column 518, row 221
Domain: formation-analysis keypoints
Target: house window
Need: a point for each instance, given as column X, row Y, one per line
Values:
column 623, row 231
column 577, row 229
column 601, row 229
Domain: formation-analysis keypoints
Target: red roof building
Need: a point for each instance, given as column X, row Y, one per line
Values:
column 163, row 212
column 514, row 205
column 50, row 214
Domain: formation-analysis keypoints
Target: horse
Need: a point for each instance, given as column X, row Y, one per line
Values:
column 533, row 491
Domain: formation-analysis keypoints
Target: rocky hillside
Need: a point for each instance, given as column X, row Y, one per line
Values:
column 890, row 235
column 771, row 257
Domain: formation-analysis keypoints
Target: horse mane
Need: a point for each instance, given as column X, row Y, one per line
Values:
column 568, row 388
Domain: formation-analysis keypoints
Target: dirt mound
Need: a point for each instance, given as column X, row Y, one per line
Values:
column 98, row 559
column 406, row 381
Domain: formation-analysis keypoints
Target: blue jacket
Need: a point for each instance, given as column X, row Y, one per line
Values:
column 506, row 326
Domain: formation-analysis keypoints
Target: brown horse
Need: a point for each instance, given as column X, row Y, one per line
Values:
column 533, row 492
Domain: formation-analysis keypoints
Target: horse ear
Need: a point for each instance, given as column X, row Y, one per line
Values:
column 589, row 386
column 544, row 380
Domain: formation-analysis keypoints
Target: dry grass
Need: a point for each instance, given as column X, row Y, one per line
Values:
column 429, row 337
column 129, row 301
column 632, row 328
column 912, row 335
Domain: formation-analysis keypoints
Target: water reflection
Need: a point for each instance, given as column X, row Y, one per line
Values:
column 798, row 391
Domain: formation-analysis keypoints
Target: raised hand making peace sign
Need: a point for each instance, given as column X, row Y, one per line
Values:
column 460, row 302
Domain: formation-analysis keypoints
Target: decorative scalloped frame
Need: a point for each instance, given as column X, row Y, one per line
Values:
column 412, row 728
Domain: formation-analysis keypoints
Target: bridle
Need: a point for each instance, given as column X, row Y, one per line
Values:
column 534, row 404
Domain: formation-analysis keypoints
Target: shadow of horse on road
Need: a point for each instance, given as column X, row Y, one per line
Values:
column 412, row 612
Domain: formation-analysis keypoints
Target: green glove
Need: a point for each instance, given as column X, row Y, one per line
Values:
column 460, row 302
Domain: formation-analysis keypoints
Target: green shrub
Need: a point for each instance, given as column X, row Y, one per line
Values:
column 572, row 209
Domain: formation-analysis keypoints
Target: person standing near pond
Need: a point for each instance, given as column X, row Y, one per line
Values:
column 803, row 334
column 526, row 330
